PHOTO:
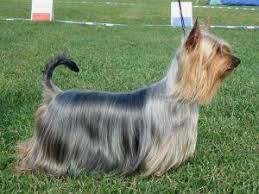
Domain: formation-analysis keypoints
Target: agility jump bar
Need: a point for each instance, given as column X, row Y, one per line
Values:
column 225, row 7
column 196, row 6
column 125, row 25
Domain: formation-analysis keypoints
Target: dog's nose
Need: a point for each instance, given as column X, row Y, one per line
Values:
column 235, row 61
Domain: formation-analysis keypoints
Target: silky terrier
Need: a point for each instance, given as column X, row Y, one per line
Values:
column 149, row 131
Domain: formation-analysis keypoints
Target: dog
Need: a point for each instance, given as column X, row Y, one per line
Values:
column 149, row 131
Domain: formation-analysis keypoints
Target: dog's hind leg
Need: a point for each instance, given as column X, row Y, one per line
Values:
column 31, row 156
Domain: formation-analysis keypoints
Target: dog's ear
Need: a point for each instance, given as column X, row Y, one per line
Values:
column 193, row 37
column 208, row 24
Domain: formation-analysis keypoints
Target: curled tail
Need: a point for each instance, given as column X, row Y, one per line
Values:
column 50, row 89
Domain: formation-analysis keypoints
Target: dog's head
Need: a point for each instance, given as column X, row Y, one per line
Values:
column 203, row 62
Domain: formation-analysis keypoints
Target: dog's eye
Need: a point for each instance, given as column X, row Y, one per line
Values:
column 226, row 50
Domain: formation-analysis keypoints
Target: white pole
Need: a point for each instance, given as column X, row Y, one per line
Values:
column 42, row 10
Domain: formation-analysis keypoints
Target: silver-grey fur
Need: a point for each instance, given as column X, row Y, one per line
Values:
column 145, row 130
column 149, row 130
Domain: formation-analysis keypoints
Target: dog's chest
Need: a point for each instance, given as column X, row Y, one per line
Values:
column 175, row 137
column 183, row 130
column 182, row 133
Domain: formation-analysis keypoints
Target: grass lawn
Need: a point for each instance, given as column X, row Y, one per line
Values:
column 122, row 59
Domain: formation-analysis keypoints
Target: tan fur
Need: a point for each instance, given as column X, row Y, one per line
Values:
column 167, row 118
column 202, row 68
column 23, row 151
column 208, row 24
column 41, row 110
column 204, row 62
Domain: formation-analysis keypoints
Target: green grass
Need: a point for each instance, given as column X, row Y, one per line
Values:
column 141, row 12
column 122, row 59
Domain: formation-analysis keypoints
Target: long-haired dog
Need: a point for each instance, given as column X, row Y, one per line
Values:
column 149, row 130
